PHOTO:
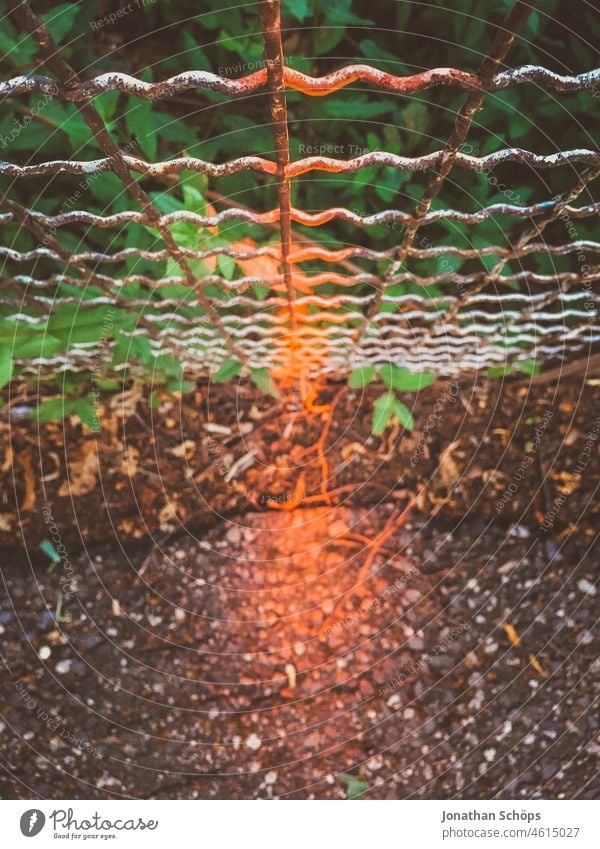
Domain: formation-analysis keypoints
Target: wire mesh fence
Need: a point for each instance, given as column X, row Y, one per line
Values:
column 303, row 307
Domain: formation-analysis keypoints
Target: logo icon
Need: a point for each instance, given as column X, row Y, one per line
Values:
column 32, row 822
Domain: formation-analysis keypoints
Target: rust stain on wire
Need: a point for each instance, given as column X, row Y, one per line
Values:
column 270, row 13
column 311, row 86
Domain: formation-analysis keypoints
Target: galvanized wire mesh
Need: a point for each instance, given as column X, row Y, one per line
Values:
column 342, row 315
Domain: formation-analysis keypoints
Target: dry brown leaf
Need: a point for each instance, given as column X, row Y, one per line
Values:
column 184, row 449
column 8, row 459
column 513, row 635
column 129, row 461
column 124, row 404
column 449, row 471
column 351, row 449
column 83, row 471
column 168, row 512
column 537, row 665
column 24, row 459
column 290, row 671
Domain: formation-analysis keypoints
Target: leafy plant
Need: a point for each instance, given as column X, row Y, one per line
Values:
column 388, row 407
column 227, row 41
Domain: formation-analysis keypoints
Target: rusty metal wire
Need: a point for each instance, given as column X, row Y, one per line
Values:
column 317, row 86
column 478, row 321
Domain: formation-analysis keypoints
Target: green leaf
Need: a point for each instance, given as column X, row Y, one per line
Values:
column 61, row 19
column 52, row 410
column 260, row 291
column 361, row 377
column 6, row 367
column 415, row 120
column 383, row 410
column 529, row 367
column 398, row 377
column 261, row 377
column 71, row 122
column 18, row 48
column 404, row 415
column 358, row 107
column 50, row 550
column 499, row 371
column 226, row 266
column 36, row 344
column 227, row 370
column 139, row 121
column 355, row 787
column 298, row 9
column 106, row 104
column 76, row 323
column 86, row 411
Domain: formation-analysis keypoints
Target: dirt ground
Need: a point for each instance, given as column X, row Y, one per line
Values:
column 254, row 601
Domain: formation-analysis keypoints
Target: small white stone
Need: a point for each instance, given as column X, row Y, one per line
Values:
column 489, row 755
column 508, row 566
column 586, row 586
column 63, row 666
column 518, row 531
column 270, row 778
column 44, row 653
column 253, row 742
column 234, row 535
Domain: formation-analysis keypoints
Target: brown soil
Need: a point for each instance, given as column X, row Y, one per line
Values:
column 421, row 621
column 214, row 453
